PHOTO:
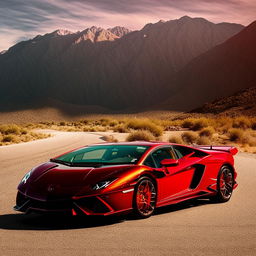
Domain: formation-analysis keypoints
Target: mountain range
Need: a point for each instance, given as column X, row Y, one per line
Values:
column 175, row 65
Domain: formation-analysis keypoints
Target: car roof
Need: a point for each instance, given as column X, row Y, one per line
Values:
column 136, row 143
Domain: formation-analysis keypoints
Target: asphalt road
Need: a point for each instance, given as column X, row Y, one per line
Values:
column 200, row 228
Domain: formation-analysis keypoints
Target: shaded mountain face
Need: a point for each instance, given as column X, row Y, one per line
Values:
column 222, row 71
column 240, row 103
column 113, row 68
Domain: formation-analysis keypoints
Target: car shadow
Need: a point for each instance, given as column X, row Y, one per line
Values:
column 20, row 221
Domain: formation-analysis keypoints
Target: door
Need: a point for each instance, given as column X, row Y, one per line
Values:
column 178, row 178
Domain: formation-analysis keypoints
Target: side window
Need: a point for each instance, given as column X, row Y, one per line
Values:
column 150, row 162
column 182, row 151
column 161, row 154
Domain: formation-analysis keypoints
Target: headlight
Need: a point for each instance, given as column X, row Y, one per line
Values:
column 102, row 184
column 26, row 177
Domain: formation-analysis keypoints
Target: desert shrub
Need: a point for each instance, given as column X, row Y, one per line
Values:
column 104, row 121
column 176, row 139
column 100, row 128
column 189, row 137
column 242, row 122
column 120, row 128
column 84, row 121
column 144, row 124
column 23, row 131
column 224, row 128
column 113, row 123
column 140, row 135
column 10, row 129
column 199, row 124
column 62, row 123
column 203, row 140
column 253, row 125
column 9, row 138
column 187, row 123
column 207, row 132
column 236, row 135
column 251, row 141
column 109, row 138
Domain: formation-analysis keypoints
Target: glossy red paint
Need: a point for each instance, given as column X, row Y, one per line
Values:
column 58, row 187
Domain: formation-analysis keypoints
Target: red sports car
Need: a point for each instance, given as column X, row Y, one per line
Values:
column 110, row 178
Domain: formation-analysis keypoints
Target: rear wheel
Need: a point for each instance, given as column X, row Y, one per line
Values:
column 144, row 201
column 225, row 183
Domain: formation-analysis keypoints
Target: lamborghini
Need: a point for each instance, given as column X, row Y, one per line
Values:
column 138, row 177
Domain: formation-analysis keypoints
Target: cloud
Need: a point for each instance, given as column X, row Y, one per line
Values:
column 27, row 18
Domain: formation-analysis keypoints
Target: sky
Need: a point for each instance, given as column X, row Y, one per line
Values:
column 24, row 19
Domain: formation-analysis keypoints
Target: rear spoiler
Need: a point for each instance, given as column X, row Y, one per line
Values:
column 230, row 149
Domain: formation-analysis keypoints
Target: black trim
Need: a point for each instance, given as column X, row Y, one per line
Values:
column 198, row 174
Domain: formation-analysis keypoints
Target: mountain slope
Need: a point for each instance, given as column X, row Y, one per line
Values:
column 240, row 103
column 220, row 72
column 97, row 67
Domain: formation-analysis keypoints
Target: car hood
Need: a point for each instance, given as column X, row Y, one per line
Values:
column 51, row 181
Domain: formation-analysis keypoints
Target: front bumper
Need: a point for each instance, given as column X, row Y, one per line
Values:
column 105, row 204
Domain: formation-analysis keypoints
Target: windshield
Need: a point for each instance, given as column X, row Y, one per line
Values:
column 103, row 154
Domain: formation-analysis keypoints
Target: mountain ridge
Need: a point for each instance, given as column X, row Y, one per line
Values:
column 94, row 67
column 219, row 72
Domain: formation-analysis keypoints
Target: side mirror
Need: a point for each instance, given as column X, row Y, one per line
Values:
column 169, row 162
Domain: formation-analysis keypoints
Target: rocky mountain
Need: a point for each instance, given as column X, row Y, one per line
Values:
column 220, row 72
column 119, row 31
column 104, row 67
column 240, row 103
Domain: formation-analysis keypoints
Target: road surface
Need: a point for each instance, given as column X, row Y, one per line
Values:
column 198, row 229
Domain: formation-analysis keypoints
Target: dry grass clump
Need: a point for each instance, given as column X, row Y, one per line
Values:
column 145, row 124
column 195, row 124
column 207, row 132
column 242, row 122
column 9, row 138
column 199, row 124
column 140, row 135
column 253, row 125
column 187, row 123
column 11, row 129
column 203, row 140
column 13, row 138
column 109, row 138
column 176, row 139
column 236, row 135
column 189, row 137
column 13, row 133
column 120, row 129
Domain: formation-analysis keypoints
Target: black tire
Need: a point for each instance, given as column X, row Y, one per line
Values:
column 144, row 198
column 225, row 183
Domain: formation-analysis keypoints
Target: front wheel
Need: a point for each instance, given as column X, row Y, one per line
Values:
column 225, row 183
column 144, row 201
